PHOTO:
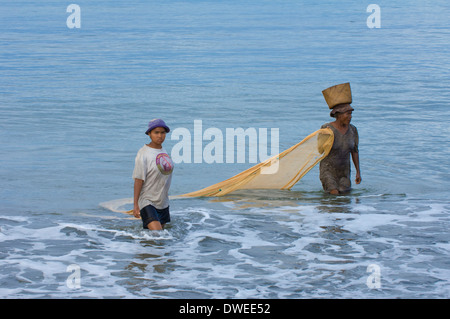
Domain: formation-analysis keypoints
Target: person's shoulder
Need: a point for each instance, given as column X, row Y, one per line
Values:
column 353, row 128
column 326, row 125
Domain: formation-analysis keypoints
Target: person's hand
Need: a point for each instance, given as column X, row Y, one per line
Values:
column 358, row 178
column 136, row 211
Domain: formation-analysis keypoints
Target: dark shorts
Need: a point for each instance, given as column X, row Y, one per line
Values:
column 150, row 214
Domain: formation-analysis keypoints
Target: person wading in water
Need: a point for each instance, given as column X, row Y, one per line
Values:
column 335, row 168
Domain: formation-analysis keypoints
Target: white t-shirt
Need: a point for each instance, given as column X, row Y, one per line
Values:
column 154, row 166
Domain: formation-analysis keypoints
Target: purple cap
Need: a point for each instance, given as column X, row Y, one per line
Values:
column 157, row 123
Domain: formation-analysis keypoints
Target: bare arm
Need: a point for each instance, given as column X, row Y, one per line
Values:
column 355, row 158
column 137, row 191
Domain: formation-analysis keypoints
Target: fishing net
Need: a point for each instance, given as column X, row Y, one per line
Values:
column 278, row 172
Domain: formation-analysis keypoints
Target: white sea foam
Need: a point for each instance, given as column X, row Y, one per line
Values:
column 281, row 252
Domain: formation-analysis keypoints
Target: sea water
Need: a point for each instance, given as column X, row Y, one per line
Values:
column 75, row 102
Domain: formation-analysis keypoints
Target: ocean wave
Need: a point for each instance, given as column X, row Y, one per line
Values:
column 211, row 250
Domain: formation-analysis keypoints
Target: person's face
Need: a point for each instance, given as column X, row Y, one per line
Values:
column 345, row 117
column 158, row 135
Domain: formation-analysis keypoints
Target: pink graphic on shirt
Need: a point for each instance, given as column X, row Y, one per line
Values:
column 164, row 163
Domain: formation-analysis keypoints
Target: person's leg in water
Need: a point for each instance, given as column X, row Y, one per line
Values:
column 155, row 225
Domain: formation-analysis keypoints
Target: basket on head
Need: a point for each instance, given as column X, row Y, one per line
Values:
column 338, row 94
